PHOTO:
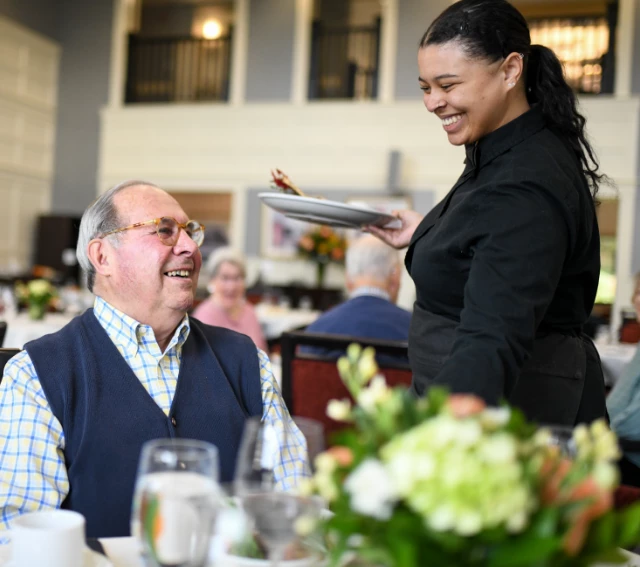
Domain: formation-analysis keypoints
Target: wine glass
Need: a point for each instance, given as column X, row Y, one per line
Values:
column 272, row 511
column 175, row 503
column 561, row 436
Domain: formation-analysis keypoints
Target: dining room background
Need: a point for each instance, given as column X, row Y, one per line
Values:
column 325, row 90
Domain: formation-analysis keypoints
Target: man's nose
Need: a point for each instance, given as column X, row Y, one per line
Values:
column 185, row 242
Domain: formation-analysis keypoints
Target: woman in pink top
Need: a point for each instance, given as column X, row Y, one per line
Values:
column 227, row 306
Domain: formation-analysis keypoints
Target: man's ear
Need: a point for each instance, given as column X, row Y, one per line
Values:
column 100, row 255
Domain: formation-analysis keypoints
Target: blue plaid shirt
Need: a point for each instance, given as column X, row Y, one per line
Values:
column 32, row 468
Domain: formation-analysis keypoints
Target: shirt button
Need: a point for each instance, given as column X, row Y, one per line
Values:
column 174, row 422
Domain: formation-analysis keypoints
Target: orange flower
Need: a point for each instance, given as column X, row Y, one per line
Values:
column 554, row 472
column 325, row 231
column 337, row 254
column 342, row 455
column 465, row 405
column 598, row 501
column 307, row 243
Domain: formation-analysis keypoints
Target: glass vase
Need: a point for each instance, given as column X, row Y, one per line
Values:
column 36, row 311
column 320, row 271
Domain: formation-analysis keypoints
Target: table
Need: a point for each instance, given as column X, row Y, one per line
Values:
column 21, row 329
column 276, row 319
column 123, row 552
column 614, row 358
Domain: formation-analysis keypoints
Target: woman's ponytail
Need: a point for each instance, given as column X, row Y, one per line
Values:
column 545, row 85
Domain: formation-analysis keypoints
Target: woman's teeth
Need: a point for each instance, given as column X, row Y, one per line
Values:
column 451, row 120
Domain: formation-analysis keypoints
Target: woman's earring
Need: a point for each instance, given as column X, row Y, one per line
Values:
column 511, row 85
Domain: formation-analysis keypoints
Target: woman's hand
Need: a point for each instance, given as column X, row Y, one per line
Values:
column 398, row 237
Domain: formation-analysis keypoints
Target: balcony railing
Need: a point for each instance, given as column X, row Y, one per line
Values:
column 344, row 62
column 178, row 69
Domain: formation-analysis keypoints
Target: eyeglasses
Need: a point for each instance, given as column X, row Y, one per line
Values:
column 168, row 230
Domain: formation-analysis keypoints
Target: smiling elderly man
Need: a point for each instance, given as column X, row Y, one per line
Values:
column 76, row 406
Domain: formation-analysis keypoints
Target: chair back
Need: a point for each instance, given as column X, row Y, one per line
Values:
column 310, row 381
column 5, row 355
column 3, row 331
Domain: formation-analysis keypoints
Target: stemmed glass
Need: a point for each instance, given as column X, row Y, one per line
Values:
column 561, row 436
column 272, row 511
column 175, row 503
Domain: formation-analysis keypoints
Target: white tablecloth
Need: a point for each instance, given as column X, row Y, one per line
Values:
column 21, row 329
column 276, row 320
column 123, row 552
column 614, row 358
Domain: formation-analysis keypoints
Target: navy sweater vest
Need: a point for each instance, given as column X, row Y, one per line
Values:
column 107, row 414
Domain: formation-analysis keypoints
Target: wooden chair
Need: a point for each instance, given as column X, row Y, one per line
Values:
column 5, row 355
column 310, row 381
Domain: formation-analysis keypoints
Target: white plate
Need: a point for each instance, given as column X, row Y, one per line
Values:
column 91, row 559
column 323, row 211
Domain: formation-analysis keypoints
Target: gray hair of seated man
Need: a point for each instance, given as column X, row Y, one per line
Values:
column 100, row 217
column 222, row 255
column 368, row 256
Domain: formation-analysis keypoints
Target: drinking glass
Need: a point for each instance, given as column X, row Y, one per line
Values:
column 561, row 436
column 272, row 512
column 175, row 503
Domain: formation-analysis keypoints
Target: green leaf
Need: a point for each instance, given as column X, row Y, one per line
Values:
column 629, row 522
column 524, row 551
column 601, row 534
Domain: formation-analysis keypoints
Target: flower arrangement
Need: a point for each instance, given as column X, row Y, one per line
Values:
column 447, row 481
column 36, row 295
column 322, row 245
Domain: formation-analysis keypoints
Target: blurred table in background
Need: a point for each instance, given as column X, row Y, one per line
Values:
column 276, row 319
column 614, row 358
column 21, row 329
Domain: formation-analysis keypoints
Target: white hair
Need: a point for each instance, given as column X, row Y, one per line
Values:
column 368, row 256
column 100, row 217
column 222, row 255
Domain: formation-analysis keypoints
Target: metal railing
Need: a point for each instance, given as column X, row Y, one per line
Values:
column 178, row 69
column 344, row 62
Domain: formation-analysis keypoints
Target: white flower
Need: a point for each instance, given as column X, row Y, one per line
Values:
column 339, row 410
column 468, row 523
column 442, row 519
column 377, row 393
column 304, row 525
column 493, row 418
column 372, row 492
column 498, row 449
column 517, row 522
column 325, row 463
column 606, row 475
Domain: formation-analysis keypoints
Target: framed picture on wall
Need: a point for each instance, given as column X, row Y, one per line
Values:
column 280, row 235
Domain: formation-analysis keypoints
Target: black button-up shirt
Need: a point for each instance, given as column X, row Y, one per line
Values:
column 512, row 253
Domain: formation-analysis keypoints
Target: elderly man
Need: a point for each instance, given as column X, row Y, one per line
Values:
column 77, row 405
column 373, row 279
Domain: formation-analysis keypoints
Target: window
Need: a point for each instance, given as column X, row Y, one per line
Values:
column 580, row 44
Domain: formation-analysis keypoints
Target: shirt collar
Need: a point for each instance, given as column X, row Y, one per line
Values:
column 370, row 290
column 499, row 141
column 131, row 335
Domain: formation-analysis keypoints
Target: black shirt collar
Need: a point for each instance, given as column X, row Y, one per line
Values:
column 499, row 141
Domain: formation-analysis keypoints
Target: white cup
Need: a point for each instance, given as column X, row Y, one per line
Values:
column 48, row 538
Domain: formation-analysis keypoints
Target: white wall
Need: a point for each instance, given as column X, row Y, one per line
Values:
column 28, row 90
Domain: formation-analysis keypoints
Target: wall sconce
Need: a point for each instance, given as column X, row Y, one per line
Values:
column 211, row 29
